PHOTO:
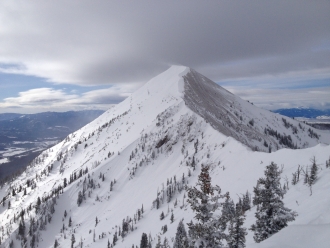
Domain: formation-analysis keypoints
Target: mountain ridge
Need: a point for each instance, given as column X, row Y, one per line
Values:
column 145, row 146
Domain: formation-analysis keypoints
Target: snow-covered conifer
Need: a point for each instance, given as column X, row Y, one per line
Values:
column 144, row 241
column 228, row 211
column 115, row 238
column 237, row 233
column 73, row 240
column 272, row 215
column 314, row 170
column 165, row 243
column 206, row 232
column 162, row 216
column 181, row 239
column 80, row 198
column 246, row 202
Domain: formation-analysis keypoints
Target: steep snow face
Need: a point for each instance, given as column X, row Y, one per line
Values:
column 151, row 144
column 259, row 129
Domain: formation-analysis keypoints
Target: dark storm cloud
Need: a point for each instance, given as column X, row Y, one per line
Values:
column 88, row 42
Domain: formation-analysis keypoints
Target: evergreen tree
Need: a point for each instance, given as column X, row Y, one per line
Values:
column 294, row 180
column 55, row 243
column 246, row 202
column 115, row 238
column 164, row 228
column 162, row 216
column 80, row 198
column 159, row 244
column 314, row 169
column 70, row 222
column 206, row 232
column 271, row 214
column 73, row 240
column 144, row 241
column 157, row 202
column 165, row 243
column 237, row 233
column 181, row 239
column 227, row 212
column 172, row 217
column 327, row 163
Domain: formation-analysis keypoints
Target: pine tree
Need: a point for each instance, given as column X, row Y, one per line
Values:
column 162, row 216
column 246, row 202
column 327, row 163
column 271, row 215
column 206, row 232
column 70, row 222
column 157, row 202
column 80, row 198
column 172, row 217
column 294, row 180
column 115, row 238
column 227, row 212
column 73, row 240
column 164, row 228
column 181, row 239
column 237, row 233
column 144, row 241
column 314, row 169
column 165, row 243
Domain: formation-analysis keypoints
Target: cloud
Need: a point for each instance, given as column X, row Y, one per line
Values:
column 108, row 42
column 285, row 98
column 43, row 99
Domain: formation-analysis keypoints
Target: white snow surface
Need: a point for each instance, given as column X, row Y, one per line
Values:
column 4, row 160
column 157, row 116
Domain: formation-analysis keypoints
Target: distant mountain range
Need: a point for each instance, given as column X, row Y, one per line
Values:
column 303, row 112
column 24, row 136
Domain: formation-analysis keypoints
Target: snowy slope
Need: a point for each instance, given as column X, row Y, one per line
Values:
column 161, row 131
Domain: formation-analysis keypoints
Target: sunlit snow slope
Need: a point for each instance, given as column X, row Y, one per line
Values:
column 157, row 139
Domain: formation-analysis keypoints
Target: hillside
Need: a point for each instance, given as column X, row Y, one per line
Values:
column 153, row 143
column 23, row 137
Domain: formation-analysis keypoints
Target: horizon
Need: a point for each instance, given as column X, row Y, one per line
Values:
column 276, row 55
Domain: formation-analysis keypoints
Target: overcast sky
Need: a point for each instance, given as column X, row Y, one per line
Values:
column 70, row 55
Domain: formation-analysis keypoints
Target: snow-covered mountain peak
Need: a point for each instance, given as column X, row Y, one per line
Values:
column 121, row 171
column 168, row 82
